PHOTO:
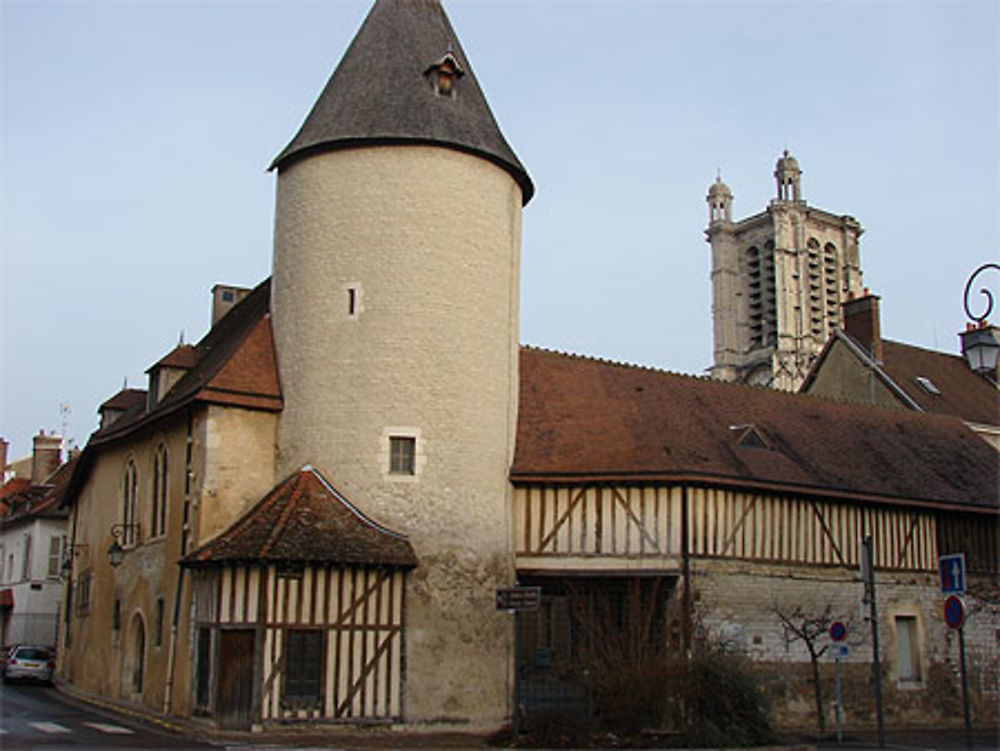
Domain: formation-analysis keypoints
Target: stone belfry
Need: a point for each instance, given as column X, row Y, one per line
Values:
column 395, row 316
column 778, row 280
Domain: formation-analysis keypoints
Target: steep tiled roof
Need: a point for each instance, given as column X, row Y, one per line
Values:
column 233, row 364
column 305, row 519
column 25, row 501
column 125, row 400
column 589, row 419
column 379, row 93
column 962, row 392
column 183, row 356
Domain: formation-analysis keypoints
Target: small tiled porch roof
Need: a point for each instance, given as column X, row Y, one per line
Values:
column 305, row 519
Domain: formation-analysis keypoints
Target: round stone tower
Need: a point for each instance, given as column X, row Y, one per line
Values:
column 395, row 317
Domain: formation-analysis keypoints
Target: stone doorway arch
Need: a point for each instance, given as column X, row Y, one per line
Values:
column 135, row 661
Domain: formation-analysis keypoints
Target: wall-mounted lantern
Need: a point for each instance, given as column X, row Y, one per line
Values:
column 980, row 343
column 120, row 532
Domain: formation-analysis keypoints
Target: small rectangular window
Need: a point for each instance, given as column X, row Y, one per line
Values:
column 402, row 455
column 55, row 556
column 303, row 668
column 116, row 615
column 907, row 649
column 158, row 625
column 83, row 593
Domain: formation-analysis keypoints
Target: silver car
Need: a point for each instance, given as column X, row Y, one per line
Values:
column 29, row 663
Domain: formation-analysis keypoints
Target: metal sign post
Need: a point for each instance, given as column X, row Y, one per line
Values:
column 954, row 616
column 868, row 575
column 838, row 632
column 517, row 600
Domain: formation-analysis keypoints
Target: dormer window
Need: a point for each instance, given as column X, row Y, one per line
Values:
column 749, row 437
column 444, row 74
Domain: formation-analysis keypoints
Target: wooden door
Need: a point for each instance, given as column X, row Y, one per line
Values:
column 235, row 686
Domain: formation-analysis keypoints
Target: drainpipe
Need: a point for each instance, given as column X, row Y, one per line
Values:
column 175, row 619
column 686, row 571
column 68, row 615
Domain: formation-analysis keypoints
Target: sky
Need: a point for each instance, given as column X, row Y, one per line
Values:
column 135, row 138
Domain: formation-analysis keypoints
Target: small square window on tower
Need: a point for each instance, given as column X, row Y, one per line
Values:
column 402, row 455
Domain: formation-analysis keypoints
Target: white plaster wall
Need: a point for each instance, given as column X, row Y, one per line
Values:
column 432, row 237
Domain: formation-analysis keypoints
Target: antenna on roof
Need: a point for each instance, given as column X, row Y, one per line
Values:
column 180, row 342
column 125, row 384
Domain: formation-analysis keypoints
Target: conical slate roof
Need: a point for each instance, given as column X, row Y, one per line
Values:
column 381, row 93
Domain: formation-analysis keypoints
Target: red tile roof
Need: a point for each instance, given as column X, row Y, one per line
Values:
column 184, row 356
column 125, row 400
column 24, row 501
column 233, row 364
column 589, row 420
column 305, row 519
column 963, row 393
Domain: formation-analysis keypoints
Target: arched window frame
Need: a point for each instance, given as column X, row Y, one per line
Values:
column 158, row 508
column 130, row 493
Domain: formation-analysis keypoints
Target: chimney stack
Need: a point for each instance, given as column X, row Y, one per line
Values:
column 861, row 323
column 45, row 456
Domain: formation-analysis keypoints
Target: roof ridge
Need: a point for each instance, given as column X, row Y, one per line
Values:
column 661, row 371
column 283, row 517
column 364, row 518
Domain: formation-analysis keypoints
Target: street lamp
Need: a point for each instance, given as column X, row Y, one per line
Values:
column 71, row 551
column 119, row 532
column 980, row 344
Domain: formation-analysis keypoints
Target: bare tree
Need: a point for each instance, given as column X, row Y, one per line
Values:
column 809, row 627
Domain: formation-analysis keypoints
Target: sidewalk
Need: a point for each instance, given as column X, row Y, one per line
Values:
column 379, row 738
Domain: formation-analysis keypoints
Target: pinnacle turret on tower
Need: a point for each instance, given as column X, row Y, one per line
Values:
column 789, row 178
column 720, row 202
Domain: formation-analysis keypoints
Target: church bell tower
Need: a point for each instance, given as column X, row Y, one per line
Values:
column 778, row 281
column 395, row 316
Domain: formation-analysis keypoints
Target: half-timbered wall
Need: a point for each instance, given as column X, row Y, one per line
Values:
column 577, row 526
column 359, row 613
column 728, row 524
column 636, row 522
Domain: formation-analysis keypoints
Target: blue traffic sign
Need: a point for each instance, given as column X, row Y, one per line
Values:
column 952, row 569
column 838, row 631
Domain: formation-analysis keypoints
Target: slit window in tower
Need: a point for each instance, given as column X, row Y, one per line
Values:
column 402, row 455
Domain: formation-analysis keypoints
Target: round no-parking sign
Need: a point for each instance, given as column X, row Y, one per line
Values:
column 954, row 611
column 838, row 631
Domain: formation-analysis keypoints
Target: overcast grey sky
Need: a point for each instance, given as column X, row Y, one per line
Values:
column 136, row 137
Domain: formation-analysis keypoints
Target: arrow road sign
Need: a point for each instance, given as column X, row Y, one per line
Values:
column 952, row 568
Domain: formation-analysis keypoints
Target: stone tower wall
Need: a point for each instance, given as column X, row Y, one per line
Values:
column 395, row 310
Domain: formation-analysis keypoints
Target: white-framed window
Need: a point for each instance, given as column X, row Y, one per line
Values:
column 55, row 555
column 402, row 454
column 26, row 563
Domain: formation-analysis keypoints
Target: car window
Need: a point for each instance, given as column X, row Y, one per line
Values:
column 31, row 653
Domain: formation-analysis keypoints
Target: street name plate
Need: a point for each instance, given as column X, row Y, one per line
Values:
column 519, row 598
